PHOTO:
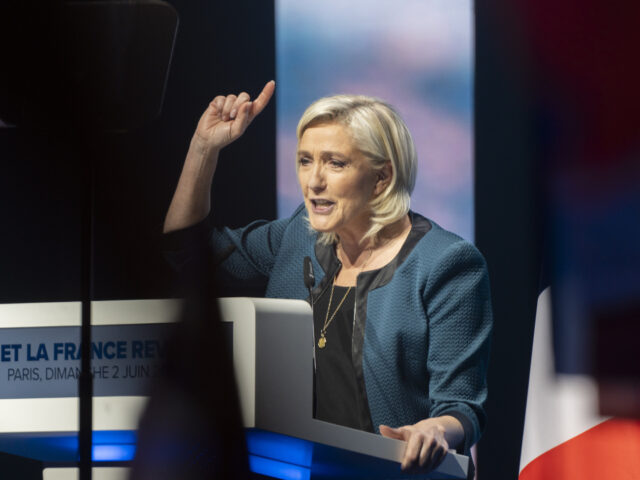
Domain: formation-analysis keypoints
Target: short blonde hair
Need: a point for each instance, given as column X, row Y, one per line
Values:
column 382, row 136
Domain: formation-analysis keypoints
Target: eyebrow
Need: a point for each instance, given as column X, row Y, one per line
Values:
column 324, row 154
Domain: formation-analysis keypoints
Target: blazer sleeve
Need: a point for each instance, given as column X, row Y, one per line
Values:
column 460, row 325
column 242, row 257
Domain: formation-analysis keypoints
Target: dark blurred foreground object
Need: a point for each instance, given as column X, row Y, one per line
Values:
column 557, row 137
column 13, row 466
column 584, row 59
column 73, row 71
column 192, row 425
column 116, row 57
column 119, row 60
column 95, row 65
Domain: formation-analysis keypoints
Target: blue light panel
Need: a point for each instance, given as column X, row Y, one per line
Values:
column 276, row 469
column 279, row 447
column 113, row 453
column 108, row 446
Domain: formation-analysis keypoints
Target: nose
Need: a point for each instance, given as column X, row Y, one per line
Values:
column 316, row 178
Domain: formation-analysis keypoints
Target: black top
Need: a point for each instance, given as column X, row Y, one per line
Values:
column 338, row 398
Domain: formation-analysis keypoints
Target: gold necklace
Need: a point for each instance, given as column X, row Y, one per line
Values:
column 322, row 341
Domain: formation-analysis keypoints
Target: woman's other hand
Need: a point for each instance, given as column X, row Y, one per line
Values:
column 428, row 441
column 226, row 118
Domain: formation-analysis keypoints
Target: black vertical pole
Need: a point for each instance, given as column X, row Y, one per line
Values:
column 507, row 228
column 85, row 440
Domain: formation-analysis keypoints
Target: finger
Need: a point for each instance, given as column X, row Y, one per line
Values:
column 389, row 432
column 435, row 454
column 218, row 103
column 425, row 454
column 412, row 452
column 226, row 109
column 241, row 121
column 439, row 454
column 242, row 98
column 263, row 99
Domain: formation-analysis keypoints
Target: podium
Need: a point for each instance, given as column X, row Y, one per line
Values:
column 272, row 344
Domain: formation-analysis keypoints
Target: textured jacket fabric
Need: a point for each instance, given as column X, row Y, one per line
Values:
column 423, row 322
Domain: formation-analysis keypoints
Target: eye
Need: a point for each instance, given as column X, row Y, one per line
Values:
column 304, row 161
column 335, row 163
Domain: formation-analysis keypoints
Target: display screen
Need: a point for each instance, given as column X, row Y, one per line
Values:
column 415, row 54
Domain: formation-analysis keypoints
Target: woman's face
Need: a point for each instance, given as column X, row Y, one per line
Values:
column 337, row 181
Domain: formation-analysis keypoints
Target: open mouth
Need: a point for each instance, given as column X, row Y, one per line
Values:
column 321, row 206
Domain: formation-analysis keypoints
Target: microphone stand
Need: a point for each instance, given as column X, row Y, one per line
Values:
column 85, row 433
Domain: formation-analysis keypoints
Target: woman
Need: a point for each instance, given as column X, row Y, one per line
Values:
column 402, row 312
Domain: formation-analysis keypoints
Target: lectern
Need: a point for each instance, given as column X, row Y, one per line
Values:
column 272, row 344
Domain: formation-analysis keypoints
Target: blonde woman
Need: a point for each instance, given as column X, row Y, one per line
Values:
column 402, row 313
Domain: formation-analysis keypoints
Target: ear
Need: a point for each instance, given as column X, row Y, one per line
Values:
column 383, row 178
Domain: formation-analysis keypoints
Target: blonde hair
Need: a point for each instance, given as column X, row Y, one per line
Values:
column 382, row 136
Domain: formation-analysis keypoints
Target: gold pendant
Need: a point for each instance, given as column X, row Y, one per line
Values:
column 322, row 341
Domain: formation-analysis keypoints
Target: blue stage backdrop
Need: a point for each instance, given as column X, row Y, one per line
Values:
column 416, row 55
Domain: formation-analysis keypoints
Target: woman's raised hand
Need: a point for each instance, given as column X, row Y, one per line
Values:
column 226, row 118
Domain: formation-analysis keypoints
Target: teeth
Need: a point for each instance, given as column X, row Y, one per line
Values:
column 322, row 202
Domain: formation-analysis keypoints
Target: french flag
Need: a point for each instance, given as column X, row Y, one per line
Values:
column 564, row 436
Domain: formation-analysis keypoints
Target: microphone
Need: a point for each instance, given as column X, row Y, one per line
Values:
column 309, row 282
column 309, row 277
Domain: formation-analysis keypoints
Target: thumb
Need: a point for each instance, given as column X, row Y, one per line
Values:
column 389, row 432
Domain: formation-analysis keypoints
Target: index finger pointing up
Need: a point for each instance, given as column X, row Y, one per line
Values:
column 263, row 99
